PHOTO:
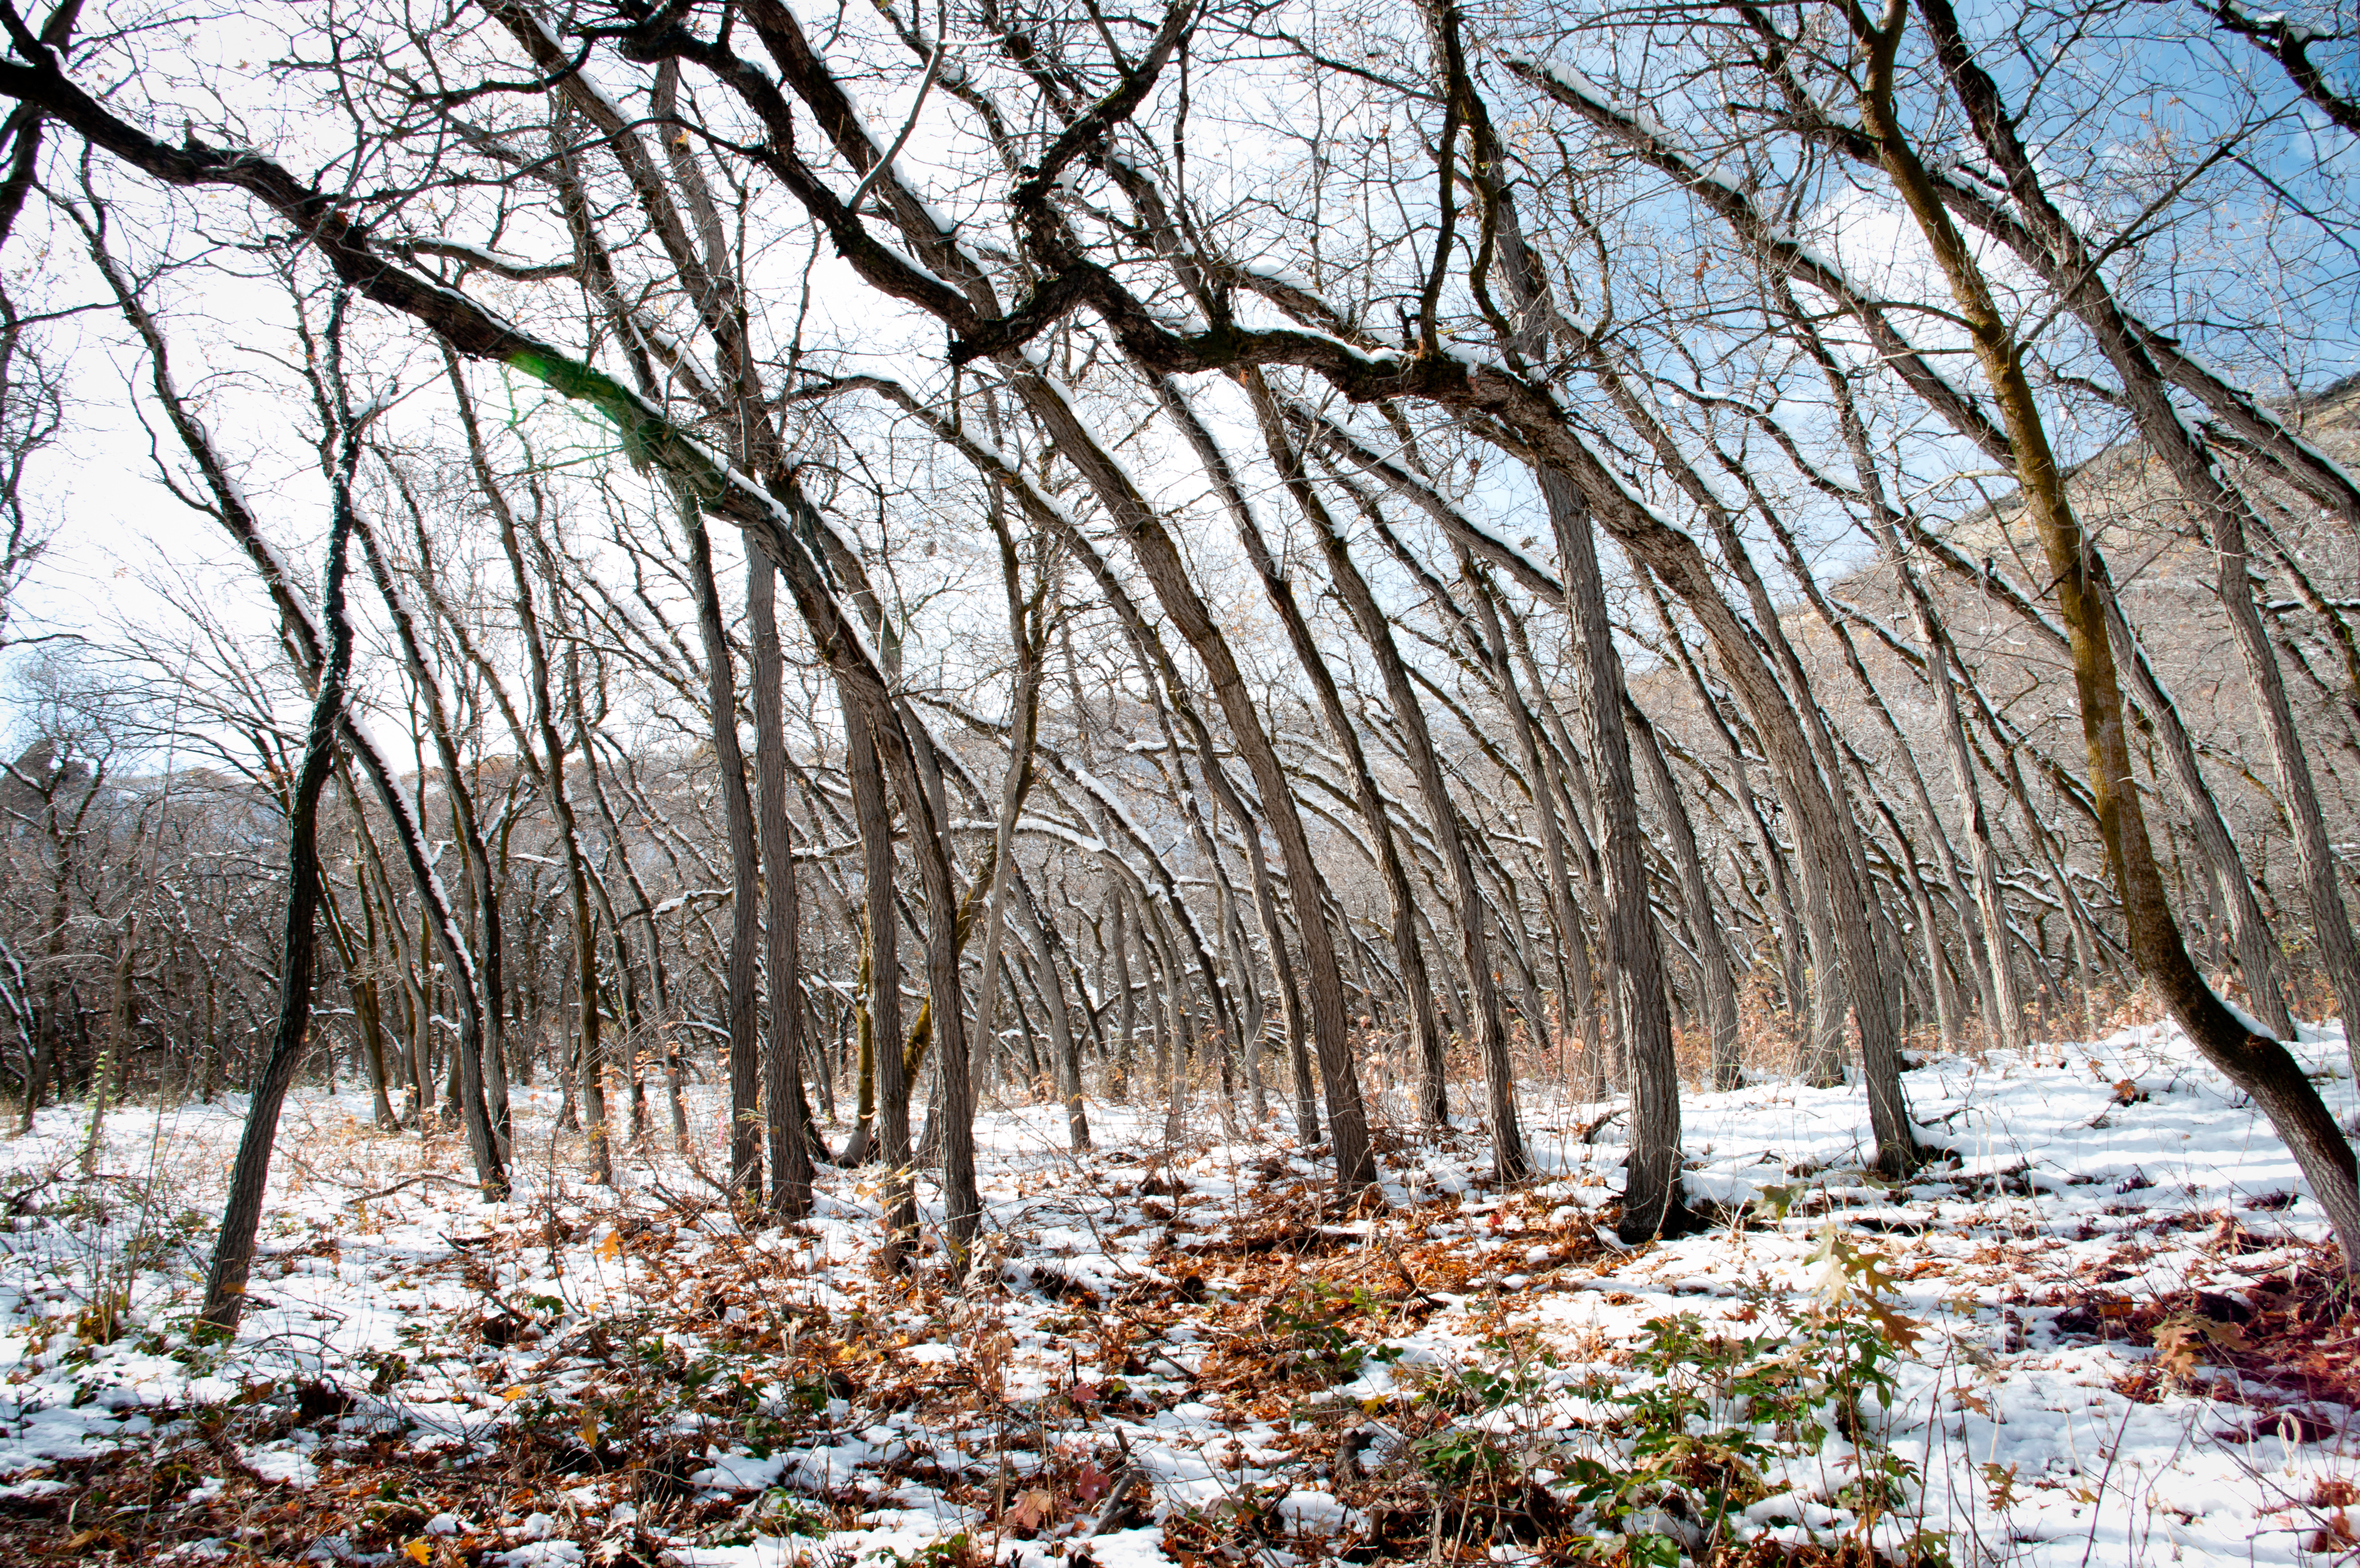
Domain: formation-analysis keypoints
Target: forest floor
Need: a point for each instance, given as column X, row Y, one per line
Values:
column 2106, row 1332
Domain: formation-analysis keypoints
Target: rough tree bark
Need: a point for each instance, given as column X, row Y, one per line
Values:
column 745, row 867
column 2259, row 1065
column 233, row 1258
column 784, row 1111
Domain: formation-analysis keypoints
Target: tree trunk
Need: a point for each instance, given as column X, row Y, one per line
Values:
column 309, row 645
column 1652, row 1202
column 232, row 1257
column 1425, row 1033
column 2258, row 960
column 1719, row 985
column 784, row 1109
column 2260, row 1066
column 884, row 1065
column 591, row 1071
column 1126, row 1003
column 2211, row 491
column 746, row 875
column 1027, row 634
column 1994, row 971
column 1159, row 560
column 1061, row 1027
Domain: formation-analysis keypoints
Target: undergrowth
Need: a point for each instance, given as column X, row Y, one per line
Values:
column 648, row 1377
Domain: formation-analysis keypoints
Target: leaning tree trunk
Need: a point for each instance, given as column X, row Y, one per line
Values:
column 2260, row 1066
column 1027, row 635
column 1061, row 1024
column 2258, row 960
column 232, row 1257
column 1712, row 952
column 2257, row 956
column 1425, row 1032
column 1126, row 999
column 1803, row 765
column 1651, row 1203
column 1166, row 571
column 1546, row 755
column 784, row 1110
column 1994, row 970
column 1254, row 1020
column 308, row 643
column 885, row 1076
column 2212, row 492
column 746, row 875
column 592, row 1055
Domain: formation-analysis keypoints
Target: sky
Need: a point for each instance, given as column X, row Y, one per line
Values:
column 125, row 550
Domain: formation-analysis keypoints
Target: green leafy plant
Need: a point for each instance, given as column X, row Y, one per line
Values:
column 1713, row 1414
column 952, row 1552
column 1464, row 1458
column 1698, row 1435
column 1312, row 1331
column 1512, row 1375
column 778, row 1512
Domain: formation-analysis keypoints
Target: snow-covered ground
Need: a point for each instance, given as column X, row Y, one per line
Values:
column 2111, row 1330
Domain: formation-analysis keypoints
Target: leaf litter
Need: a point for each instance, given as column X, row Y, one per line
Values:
column 2107, row 1328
